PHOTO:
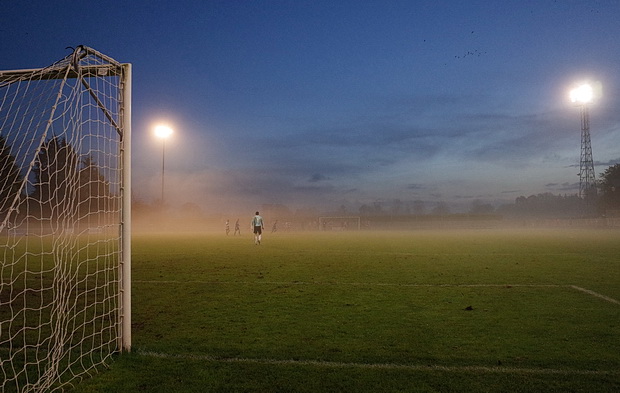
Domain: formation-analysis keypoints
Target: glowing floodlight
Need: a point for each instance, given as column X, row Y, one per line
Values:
column 582, row 94
column 163, row 131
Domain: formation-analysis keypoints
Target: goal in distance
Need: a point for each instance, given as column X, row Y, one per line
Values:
column 64, row 220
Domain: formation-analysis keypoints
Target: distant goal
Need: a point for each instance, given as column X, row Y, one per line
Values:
column 64, row 220
column 340, row 223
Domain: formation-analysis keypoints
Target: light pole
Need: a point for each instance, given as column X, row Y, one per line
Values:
column 163, row 132
column 582, row 96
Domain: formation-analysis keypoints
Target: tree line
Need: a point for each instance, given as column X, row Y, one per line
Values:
column 62, row 184
column 606, row 201
column 542, row 205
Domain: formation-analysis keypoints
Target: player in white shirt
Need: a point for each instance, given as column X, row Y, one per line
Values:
column 257, row 226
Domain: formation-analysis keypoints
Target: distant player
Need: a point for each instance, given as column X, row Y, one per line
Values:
column 237, row 229
column 227, row 227
column 257, row 227
column 275, row 226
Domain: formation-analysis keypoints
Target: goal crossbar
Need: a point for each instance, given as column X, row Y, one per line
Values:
column 91, row 71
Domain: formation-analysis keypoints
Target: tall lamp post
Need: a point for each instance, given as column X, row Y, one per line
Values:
column 582, row 96
column 163, row 132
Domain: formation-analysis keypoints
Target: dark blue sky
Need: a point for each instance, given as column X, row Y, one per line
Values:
column 325, row 103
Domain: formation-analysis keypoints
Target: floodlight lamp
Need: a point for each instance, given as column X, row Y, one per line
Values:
column 163, row 131
column 582, row 94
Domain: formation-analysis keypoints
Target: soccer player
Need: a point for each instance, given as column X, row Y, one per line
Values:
column 227, row 227
column 237, row 229
column 257, row 227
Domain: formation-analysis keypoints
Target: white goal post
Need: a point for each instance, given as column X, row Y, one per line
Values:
column 340, row 223
column 65, row 209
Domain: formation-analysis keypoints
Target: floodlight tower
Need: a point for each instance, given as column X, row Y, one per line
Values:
column 582, row 96
column 163, row 132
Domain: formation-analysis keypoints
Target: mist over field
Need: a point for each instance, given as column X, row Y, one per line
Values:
column 278, row 220
column 208, row 207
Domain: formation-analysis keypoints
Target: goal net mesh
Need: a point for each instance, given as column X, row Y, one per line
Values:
column 61, row 179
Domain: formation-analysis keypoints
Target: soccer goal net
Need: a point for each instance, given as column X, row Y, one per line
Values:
column 64, row 220
column 339, row 223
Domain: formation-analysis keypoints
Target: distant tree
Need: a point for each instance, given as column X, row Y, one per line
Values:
column 478, row 207
column 609, row 184
column 418, row 207
column 397, row 207
column 544, row 205
column 55, row 170
column 10, row 179
column 94, row 190
column 365, row 210
column 441, row 209
column 375, row 210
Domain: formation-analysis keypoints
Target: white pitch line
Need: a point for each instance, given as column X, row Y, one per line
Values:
column 596, row 294
column 379, row 284
column 386, row 366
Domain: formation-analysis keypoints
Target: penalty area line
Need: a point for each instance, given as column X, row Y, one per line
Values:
column 595, row 294
column 379, row 366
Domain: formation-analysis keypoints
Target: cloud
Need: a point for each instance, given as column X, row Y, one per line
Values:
column 611, row 162
column 317, row 177
column 566, row 186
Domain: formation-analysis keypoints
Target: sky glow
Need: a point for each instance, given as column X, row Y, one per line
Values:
column 343, row 103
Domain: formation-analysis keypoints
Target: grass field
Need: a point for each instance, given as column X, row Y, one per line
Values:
column 417, row 311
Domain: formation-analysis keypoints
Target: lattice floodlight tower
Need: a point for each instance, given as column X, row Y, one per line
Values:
column 64, row 220
column 582, row 96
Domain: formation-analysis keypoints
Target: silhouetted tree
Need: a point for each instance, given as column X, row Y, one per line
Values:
column 545, row 205
column 418, row 207
column 609, row 184
column 10, row 179
column 397, row 207
column 94, row 190
column 374, row 210
column 478, row 207
column 441, row 209
column 55, row 171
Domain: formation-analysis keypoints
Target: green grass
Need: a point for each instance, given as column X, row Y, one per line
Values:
column 418, row 311
column 74, row 318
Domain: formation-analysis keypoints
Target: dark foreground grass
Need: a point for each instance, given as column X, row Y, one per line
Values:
column 423, row 311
